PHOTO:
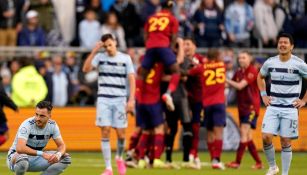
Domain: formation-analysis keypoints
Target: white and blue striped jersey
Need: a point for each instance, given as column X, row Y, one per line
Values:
column 37, row 138
column 113, row 73
column 286, row 80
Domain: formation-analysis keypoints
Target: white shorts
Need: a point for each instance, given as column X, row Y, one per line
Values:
column 281, row 122
column 111, row 112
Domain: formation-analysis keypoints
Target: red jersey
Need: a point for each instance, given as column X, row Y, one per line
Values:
column 213, row 80
column 160, row 27
column 194, row 83
column 148, row 91
column 248, row 98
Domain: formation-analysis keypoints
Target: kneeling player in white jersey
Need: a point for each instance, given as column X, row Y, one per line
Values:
column 281, row 117
column 27, row 155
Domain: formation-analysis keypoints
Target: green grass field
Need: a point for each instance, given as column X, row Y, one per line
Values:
column 91, row 163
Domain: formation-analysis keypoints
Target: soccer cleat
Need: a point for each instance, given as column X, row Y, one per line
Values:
column 218, row 165
column 233, row 165
column 189, row 165
column 172, row 165
column 197, row 163
column 142, row 164
column 273, row 170
column 168, row 101
column 121, row 167
column 107, row 172
column 157, row 163
column 258, row 166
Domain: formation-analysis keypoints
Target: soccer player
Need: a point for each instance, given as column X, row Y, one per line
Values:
column 248, row 98
column 194, row 88
column 160, row 38
column 5, row 101
column 115, row 69
column 27, row 155
column 213, row 78
column 281, row 116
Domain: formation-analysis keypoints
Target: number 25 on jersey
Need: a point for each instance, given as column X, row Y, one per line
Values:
column 158, row 23
column 216, row 76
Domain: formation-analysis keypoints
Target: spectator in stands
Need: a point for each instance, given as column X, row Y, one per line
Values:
column 32, row 34
column 28, row 86
column 89, row 30
column 114, row 27
column 72, row 68
column 6, row 79
column 182, row 10
column 96, row 6
column 14, row 66
column 148, row 9
column 10, row 21
column 229, row 60
column 266, row 29
column 209, row 21
column 239, row 21
column 45, row 10
column 282, row 18
column 130, row 20
column 59, row 89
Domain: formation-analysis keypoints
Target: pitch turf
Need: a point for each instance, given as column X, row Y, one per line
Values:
column 91, row 163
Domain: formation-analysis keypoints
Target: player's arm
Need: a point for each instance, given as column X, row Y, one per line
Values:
column 261, row 85
column 87, row 66
column 298, row 103
column 180, row 51
column 6, row 100
column 131, row 100
column 22, row 148
column 61, row 149
column 237, row 85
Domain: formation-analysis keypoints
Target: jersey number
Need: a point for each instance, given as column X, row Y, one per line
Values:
column 158, row 23
column 149, row 77
column 214, row 77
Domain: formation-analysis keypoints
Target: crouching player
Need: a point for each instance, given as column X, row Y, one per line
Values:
column 27, row 155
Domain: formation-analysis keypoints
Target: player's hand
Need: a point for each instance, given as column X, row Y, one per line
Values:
column 179, row 41
column 97, row 47
column 298, row 103
column 266, row 100
column 46, row 156
column 130, row 106
column 54, row 158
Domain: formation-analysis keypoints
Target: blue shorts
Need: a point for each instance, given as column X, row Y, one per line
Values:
column 215, row 115
column 3, row 128
column 279, row 122
column 151, row 115
column 111, row 112
column 196, row 109
column 138, row 118
column 154, row 55
column 251, row 119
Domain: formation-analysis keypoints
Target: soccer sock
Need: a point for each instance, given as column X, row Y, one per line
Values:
column 55, row 169
column 286, row 157
column 253, row 151
column 120, row 148
column 218, row 145
column 150, row 147
column 133, row 141
column 195, row 140
column 269, row 152
column 158, row 145
column 240, row 151
column 173, row 83
column 169, row 142
column 187, row 140
column 142, row 145
column 210, row 149
column 106, row 152
column 2, row 139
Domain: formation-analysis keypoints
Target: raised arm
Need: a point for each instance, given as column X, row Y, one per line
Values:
column 87, row 66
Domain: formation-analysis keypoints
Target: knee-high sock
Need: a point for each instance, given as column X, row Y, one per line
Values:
column 218, row 147
column 253, row 151
column 55, row 169
column 106, row 152
column 21, row 167
column 286, row 157
column 120, row 148
column 269, row 152
column 240, row 151
column 195, row 139
column 173, row 83
column 133, row 140
column 187, row 140
column 158, row 145
column 142, row 145
column 210, row 149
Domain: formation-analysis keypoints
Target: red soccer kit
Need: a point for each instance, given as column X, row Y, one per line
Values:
column 148, row 92
column 213, row 79
column 159, row 27
column 248, row 98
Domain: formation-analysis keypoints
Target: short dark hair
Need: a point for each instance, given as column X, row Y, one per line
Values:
column 107, row 36
column 167, row 4
column 190, row 38
column 45, row 104
column 286, row 35
column 213, row 53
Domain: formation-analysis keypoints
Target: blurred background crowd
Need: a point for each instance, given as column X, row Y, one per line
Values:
column 58, row 23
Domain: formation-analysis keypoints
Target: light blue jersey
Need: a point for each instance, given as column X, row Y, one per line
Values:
column 286, row 80
column 36, row 137
column 113, row 73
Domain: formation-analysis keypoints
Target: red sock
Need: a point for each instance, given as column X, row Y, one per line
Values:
column 2, row 140
column 211, row 149
column 253, row 151
column 195, row 139
column 151, row 147
column 134, row 140
column 241, row 151
column 142, row 145
column 158, row 145
column 218, row 145
column 173, row 83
